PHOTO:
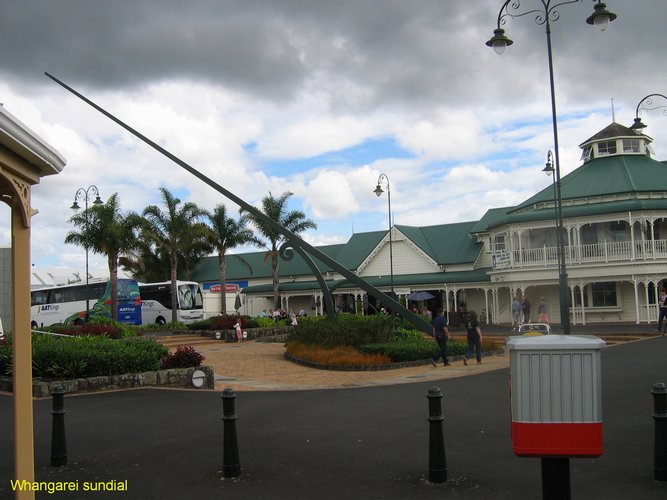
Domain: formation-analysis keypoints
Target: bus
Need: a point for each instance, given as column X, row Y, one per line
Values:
column 156, row 302
column 67, row 303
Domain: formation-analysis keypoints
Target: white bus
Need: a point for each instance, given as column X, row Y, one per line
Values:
column 156, row 302
column 67, row 303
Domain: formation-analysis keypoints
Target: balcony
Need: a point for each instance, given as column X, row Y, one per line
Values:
column 599, row 253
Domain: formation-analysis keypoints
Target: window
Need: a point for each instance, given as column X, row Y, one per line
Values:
column 631, row 145
column 587, row 153
column 499, row 243
column 604, row 294
column 607, row 148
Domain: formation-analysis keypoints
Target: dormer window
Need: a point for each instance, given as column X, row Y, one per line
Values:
column 587, row 153
column 631, row 145
column 607, row 148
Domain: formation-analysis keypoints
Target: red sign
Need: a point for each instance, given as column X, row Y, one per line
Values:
column 229, row 287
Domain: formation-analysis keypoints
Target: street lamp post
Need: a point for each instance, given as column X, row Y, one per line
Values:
column 601, row 18
column 84, row 194
column 378, row 191
column 550, row 170
column 638, row 126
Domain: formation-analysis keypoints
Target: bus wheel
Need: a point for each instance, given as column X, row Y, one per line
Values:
column 160, row 320
column 33, row 325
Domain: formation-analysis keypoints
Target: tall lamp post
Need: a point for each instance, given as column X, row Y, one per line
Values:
column 547, row 13
column 638, row 126
column 85, row 194
column 550, row 170
column 378, row 191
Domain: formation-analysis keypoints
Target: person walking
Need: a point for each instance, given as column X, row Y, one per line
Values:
column 441, row 336
column 516, row 313
column 543, row 315
column 525, row 309
column 662, row 304
column 474, row 338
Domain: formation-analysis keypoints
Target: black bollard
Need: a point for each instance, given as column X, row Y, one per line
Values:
column 660, row 438
column 437, row 463
column 230, row 450
column 58, row 441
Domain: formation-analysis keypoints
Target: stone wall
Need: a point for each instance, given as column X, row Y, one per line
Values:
column 174, row 377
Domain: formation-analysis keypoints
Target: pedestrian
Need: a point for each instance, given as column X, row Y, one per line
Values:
column 427, row 313
column 662, row 305
column 542, row 315
column 441, row 334
column 525, row 309
column 474, row 338
column 239, row 332
column 516, row 313
column 293, row 321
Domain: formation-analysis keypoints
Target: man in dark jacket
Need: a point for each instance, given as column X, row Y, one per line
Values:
column 441, row 335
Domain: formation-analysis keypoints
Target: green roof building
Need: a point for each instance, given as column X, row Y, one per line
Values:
column 615, row 237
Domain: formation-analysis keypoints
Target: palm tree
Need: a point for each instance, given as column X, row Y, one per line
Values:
column 295, row 221
column 104, row 230
column 171, row 231
column 227, row 233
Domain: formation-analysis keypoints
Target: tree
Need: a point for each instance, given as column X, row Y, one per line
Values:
column 105, row 230
column 171, row 231
column 295, row 221
column 227, row 233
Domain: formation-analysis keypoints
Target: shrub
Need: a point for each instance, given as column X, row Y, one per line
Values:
column 347, row 329
column 167, row 326
column 77, row 357
column 267, row 322
column 340, row 355
column 412, row 350
column 184, row 357
column 227, row 322
column 204, row 324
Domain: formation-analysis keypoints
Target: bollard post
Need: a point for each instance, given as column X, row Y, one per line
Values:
column 58, row 441
column 659, row 392
column 437, row 463
column 230, row 450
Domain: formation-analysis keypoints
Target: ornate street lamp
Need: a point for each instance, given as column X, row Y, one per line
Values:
column 544, row 15
column 638, row 126
column 84, row 194
column 378, row 191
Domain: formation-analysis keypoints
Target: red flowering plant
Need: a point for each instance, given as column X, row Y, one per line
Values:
column 185, row 356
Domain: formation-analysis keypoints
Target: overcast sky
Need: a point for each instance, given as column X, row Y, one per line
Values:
column 317, row 97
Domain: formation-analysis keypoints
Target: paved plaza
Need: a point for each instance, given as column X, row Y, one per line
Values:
column 366, row 437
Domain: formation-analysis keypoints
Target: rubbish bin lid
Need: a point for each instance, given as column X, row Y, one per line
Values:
column 556, row 342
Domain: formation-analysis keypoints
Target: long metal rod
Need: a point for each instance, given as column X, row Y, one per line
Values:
column 324, row 258
column 562, row 270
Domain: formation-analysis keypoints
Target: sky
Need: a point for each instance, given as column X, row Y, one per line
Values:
column 318, row 98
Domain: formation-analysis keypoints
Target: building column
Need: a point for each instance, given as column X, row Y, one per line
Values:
column 24, row 457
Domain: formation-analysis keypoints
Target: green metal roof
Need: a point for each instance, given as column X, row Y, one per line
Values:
column 437, row 280
column 446, row 244
column 607, row 176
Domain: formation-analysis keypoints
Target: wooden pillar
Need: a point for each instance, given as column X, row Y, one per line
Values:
column 24, row 456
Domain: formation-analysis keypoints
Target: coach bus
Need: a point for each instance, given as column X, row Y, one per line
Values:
column 67, row 303
column 156, row 302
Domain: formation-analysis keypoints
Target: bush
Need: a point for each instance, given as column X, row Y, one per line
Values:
column 167, row 326
column 184, row 357
column 227, row 322
column 412, row 350
column 347, row 329
column 204, row 324
column 78, row 357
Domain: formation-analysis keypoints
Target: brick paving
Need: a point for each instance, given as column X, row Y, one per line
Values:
column 261, row 366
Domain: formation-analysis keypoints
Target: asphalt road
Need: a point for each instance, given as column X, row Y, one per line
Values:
column 331, row 444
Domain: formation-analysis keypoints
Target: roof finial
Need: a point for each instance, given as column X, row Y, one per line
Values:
column 613, row 113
